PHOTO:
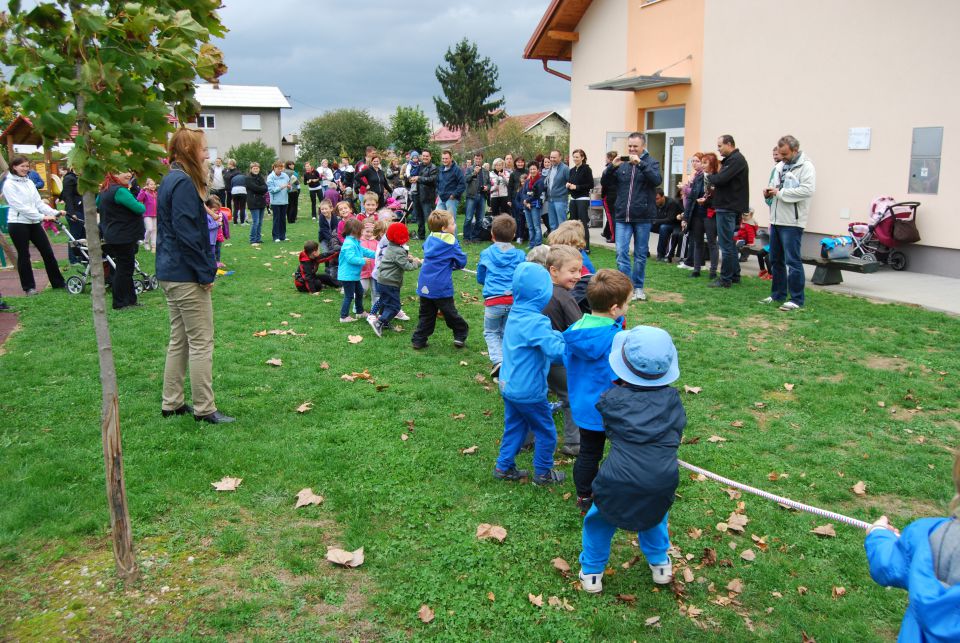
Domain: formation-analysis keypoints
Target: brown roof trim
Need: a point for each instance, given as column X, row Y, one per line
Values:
column 536, row 49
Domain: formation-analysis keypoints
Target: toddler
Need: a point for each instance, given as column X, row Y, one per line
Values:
column 441, row 256
column 148, row 197
column 495, row 272
column 352, row 258
column 306, row 278
column 394, row 261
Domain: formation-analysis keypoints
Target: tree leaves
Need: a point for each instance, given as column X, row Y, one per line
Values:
column 306, row 406
column 345, row 558
column 306, row 497
column 467, row 82
column 425, row 614
column 227, row 484
column 826, row 531
column 496, row 532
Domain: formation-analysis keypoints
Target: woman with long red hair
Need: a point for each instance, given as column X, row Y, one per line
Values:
column 697, row 215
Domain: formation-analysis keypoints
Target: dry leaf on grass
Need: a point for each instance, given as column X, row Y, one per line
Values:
column 227, row 484
column 491, row 596
column 687, row 575
column 860, row 488
column 275, row 361
column 463, row 363
column 306, row 406
column 881, row 403
column 737, row 424
column 788, row 386
column 627, row 598
column 694, row 533
column 692, row 389
column 826, row 531
column 296, row 315
column 324, row 366
column 698, row 477
column 404, row 437
column 736, row 586
column 307, row 497
column 733, row 493
column 354, row 339
column 469, row 450
column 425, row 614
column 709, row 557
column 716, row 438
column 561, row 565
column 839, row 591
column 653, row 620
column 345, row 558
column 806, row 638
column 801, row 590
column 567, row 496
column 760, row 405
column 458, row 416
column 485, row 530
column 536, row 600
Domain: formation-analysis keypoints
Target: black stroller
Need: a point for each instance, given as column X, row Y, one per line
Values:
column 76, row 283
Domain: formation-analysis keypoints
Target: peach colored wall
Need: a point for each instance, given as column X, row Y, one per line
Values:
column 816, row 68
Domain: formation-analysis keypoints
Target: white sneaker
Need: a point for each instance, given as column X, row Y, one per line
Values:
column 348, row 319
column 789, row 306
column 402, row 316
column 662, row 574
column 591, row 583
column 767, row 300
column 638, row 295
column 375, row 325
column 682, row 265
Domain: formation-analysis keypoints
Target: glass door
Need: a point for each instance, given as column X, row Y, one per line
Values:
column 666, row 146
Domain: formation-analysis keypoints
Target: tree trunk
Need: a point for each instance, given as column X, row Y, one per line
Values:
column 123, row 554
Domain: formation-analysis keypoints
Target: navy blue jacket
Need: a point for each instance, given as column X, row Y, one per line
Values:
column 692, row 208
column 636, row 190
column 450, row 182
column 183, row 238
column 636, row 483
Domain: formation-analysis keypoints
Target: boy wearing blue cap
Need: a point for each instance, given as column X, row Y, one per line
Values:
column 644, row 421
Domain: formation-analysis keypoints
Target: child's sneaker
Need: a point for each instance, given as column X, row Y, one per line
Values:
column 375, row 325
column 495, row 372
column 402, row 316
column 348, row 319
column 555, row 406
column 591, row 583
column 662, row 574
column 550, row 477
column 459, row 343
column 510, row 474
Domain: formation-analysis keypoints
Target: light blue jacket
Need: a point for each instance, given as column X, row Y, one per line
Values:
column 353, row 256
column 496, row 267
column 555, row 185
column 277, row 186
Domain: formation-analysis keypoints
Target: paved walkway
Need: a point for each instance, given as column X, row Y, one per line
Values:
column 927, row 291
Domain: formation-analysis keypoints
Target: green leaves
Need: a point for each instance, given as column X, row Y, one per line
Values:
column 339, row 131
column 467, row 83
column 409, row 128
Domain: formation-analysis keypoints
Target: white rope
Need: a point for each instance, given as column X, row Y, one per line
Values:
column 853, row 522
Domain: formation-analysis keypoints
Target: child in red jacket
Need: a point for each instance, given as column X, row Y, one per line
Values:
column 747, row 236
column 307, row 278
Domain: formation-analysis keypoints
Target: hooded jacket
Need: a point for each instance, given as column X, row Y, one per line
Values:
column 907, row 562
column 306, row 279
column 277, row 185
column 797, row 182
column 25, row 203
column 396, row 259
column 450, row 182
column 496, row 267
column 353, row 257
column 588, row 367
column 441, row 256
column 530, row 344
column 636, row 483
column 636, row 190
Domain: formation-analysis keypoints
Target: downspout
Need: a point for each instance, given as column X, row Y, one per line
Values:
column 554, row 71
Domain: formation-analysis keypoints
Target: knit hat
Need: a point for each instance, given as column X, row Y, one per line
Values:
column 414, row 155
column 398, row 233
column 644, row 356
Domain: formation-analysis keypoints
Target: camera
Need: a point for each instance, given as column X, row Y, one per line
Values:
column 625, row 158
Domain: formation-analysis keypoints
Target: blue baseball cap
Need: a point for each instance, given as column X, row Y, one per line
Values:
column 645, row 356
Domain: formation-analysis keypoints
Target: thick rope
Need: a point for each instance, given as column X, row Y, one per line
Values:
column 853, row 522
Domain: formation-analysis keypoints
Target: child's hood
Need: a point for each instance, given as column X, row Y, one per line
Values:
column 934, row 606
column 532, row 287
column 591, row 336
column 641, row 416
column 502, row 258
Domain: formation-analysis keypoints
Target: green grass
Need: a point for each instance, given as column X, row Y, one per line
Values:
column 246, row 565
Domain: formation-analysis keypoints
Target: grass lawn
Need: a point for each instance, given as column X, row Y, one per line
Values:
column 873, row 400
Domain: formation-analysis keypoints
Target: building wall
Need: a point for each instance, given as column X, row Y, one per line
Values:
column 552, row 125
column 228, row 133
column 817, row 68
column 600, row 54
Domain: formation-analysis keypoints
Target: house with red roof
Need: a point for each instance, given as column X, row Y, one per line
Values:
column 549, row 126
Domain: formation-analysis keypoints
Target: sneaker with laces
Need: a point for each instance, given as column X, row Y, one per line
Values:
column 402, row 316
column 769, row 300
column 550, row 477
column 348, row 319
column 681, row 265
column 638, row 294
column 512, row 473
column 790, row 306
column 375, row 325
column 662, row 574
column 591, row 583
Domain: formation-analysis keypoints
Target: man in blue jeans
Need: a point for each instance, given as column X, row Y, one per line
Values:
column 555, row 191
column 450, row 183
column 731, row 198
column 478, row 185
column 637, row 179
column 792, row 184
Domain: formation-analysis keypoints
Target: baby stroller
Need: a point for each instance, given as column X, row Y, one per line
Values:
column 76, row 283
column 892, row 225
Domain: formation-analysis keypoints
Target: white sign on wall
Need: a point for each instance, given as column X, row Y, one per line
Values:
column 858, row 138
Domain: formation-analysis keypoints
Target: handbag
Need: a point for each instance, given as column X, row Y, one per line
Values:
column 905, row 231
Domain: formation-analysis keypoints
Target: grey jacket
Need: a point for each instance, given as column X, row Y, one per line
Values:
column 396, row 259
column 796, row 184
column 555, row 185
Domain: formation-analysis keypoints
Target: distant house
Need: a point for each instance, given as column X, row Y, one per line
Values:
column 546, row 125
column 289, row 147
column 235, row 114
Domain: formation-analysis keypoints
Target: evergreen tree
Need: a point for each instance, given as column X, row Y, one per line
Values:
column 468, row 83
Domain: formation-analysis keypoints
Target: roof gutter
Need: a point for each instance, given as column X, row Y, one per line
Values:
column 554, row 71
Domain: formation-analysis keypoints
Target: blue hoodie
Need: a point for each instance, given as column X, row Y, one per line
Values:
column 933, row 613
column 496, row 267
column 588, row 366
column 530, row 344
column 450, row 182
column 353, row 256
column 441, row 256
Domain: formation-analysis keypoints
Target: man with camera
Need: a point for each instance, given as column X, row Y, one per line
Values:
column 637, row 177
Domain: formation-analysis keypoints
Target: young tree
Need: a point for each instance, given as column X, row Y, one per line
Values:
column 341, row 130
column 409, row 129
column 246, row 153
column 113, row 69
column 467, row 83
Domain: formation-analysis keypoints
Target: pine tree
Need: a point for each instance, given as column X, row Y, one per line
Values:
column 468, row 82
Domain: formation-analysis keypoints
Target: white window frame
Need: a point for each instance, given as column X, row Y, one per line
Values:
column 244, row 125
column 204, row 117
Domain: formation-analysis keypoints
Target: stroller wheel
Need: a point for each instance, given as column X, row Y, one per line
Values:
column 153, row 282
column 897, row 260
column 75, row 285
column 868, row 257
column 139, row 286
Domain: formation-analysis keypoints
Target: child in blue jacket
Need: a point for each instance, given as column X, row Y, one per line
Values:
column 441, row 256
column 530, row 345
column 495, row 273
column 925, row 561
column 589, row 373
column 353, row 257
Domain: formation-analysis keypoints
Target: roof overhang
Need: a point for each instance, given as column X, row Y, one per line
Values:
column 557, row 31
column 637, row 83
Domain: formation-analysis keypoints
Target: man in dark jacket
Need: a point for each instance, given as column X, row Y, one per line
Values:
column 637, row 178
column 608, row 193
column 426, row 194
column 731, row 198
column 478, row 185
column 70, row 195
column 669, row 214
column 450, row 183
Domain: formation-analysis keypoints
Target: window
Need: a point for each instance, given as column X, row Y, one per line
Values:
column 250, row 122
column 925, row 160
column 206, row 121
column 666, row 118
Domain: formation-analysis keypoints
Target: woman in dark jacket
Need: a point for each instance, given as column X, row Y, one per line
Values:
column 514, row 192
column 374, row 179
column 70, row 195
column 121, row 222
column 580, row 182
column 531, row 194
column 256, row 200
column 608, row 193
column 697, row 219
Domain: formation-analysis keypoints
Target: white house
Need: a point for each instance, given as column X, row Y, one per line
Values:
column 235, row 114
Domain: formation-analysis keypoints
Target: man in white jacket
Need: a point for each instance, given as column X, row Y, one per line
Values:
column 791, row 187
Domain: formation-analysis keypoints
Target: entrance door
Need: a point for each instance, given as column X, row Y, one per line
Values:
column 666, row 146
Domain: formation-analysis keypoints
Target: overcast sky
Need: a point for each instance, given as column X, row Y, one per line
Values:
column 375, row 55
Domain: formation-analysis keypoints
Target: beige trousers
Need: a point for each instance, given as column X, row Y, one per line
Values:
column 191, row 343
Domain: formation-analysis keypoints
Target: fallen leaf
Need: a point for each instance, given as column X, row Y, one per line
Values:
column 736, row 522
column 327, row 301
column 487, row 413
column 694, row 533
column 425, row 614
column 694, row 390
column 348, row 378
column 469, row 450
column 698, row 477
column 268, row 265
column 692, row 440
column 324, row 366
column 709, row 557
column 479, row 379
column 748, row 555
column 716, row 438
column 567, row 496
column 788, row 386
column 345, row 558
column 296, row 315
column 737, row 424
column 653, row 620
column 736, row 586
column 839, row 591
column 354, row 339
column 275, row 361
column 806, row 638
column 463, row 363
column 627, row 598
column 382, row 387
column 733, row 493
column 227, row 484
column 410, row 424
column 687, row 575
column 630, row 563
column 553, row 601
column 485, row 530
column 801, row 590
column 776, row 594
column 881, row 403
column 825, row 530
column 306, row 406
column 260, row 333
column 307, row 497
column 760, row 405
column 536, row 600
column 458, row 416
column 404, row 437
column 860, row 488
column 561, row 565
column 284, row 323
column 491, row 596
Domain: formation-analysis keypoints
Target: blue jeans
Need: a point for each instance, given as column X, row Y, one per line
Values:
column 474, row 216
column 256, row 216
column 389, row 302
column 556, row 213
column 534, row 227
column 598, row 533
column 518, row 419
column 730, row 258
column 279, row 222
column 786, row 267
column 352, row 290
column 664, row 236
column 641, row 241
column 494, row 321
column 450, row 205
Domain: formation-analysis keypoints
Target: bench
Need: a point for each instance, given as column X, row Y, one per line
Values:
column 828, row 270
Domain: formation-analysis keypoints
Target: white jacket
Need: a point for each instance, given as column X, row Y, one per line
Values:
column 791, row 205
column 25, row 203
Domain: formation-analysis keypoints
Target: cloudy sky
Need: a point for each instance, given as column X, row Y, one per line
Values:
column 372, row 54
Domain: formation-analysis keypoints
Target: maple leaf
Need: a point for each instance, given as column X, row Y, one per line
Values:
column 354, row 339
column 693, row 390
column 709, row 557
column 838, row 592
column 694, row 533
column 425, row 614
column 736, row 522
column 275, row 361
column 788, row 386
column 653, row 620
column 469, row 450
column 826, row 531
column 716, row 438
column 561, row 565
column 536, row 600
column 307, row 497
column 324, row 366
column 485, row 530
column 860, row 488
column 736, row 586
column 345, row 558
column 553, row 601
column 227, row 484
column 306, row 406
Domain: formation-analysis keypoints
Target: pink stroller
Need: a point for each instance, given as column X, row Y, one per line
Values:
column 892, row 225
